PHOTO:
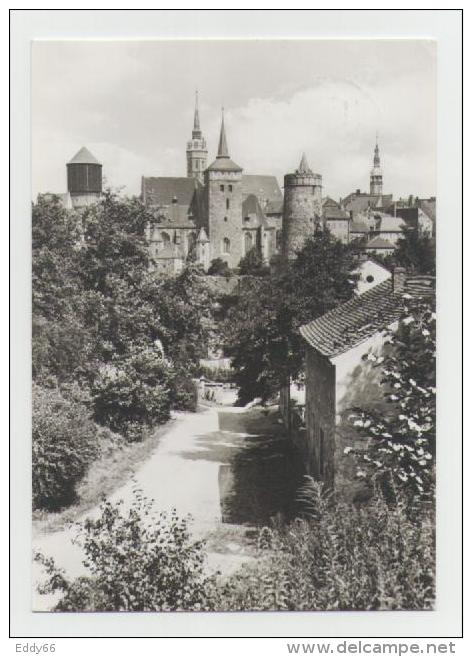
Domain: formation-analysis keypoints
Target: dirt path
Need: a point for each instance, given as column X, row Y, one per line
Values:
column 174, row 476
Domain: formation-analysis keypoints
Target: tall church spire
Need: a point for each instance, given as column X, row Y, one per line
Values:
column 222, row 144
column 196, row 132
column 376, row 178
column 196, row 148
column 376, row 151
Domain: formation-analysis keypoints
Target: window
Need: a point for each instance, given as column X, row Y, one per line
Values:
column 369, row 278
column 227, row 203
column 247, row 241
column 222, row 188
column 278, row 240
column 226, row 245
column 225, row 218
column 165, row 237
column 230, row 187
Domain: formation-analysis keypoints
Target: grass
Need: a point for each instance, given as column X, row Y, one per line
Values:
column 119, row 461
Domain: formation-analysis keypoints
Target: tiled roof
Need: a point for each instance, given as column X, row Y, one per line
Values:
column 84, row 156
column 355, row 320
column 162, row 191
column 360, row 202
column 379, row 243
column 391, row 224
column 265, row 188
column 175, row 216
column 359, row 227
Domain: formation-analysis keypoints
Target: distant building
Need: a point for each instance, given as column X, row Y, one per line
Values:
column 358, row 202
column 84, row 179
column 336, row 220
column 216, row 211
column 302, row 207
column 370, row 273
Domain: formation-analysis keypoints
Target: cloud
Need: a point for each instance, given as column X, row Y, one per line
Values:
column 131, row 104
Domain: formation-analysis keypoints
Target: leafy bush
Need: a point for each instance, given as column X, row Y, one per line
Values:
column 402, row 441
column 252, row 263
column 133, row 394
column 219, row 267
column 341, row 557
column 64, row 445
column 138, row 561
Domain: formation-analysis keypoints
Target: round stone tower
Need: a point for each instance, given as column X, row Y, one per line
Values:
column 84, row 179
column 302, row 208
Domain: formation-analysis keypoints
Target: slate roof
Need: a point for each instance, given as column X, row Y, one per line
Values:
column 359, row 227
column 252, row 209
column 356, row 203
column 265, row 188
column 84, row 156
column 224, row 164
column 379, row 243
column 354, row 321
column 162, row 190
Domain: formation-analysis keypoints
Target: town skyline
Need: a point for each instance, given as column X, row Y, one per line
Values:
column 333, row 118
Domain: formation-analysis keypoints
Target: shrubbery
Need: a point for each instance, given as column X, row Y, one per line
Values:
column 342, row 557
column 64, row 445
column 133, row 394
column 137, row 561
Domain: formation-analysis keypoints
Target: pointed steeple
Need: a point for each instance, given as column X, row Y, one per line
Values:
column 376, row 152
column 303, row 167
column 196, row 132
column 222, row 144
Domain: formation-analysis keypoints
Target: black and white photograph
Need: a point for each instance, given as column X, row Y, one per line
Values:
column 236, row 390
column 233, row 325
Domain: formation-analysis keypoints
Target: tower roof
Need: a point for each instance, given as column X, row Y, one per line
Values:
column 84, row 156
column 223, row 161
column 303, row 167
column 196, row 132
column 222, row 144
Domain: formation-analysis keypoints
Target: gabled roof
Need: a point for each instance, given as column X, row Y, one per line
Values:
column 163, row 190
column 356, row 203
column 391, row 224
column 264, row 187
column 359, row 227
column 84, row 156
column 354, row 321
column 379, row 243
column 252, row 209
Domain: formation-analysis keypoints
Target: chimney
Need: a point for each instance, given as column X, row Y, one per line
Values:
column 358, row 191
column 398, row 279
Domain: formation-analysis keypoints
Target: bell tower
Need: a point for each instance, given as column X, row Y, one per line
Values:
column 196, row 148
column 376, row 178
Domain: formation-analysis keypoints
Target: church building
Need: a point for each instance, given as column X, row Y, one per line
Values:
column 216, row 211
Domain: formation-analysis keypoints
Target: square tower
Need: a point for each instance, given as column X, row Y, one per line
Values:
column 223, row 200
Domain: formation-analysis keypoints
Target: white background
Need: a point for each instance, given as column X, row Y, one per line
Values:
column 445, row 621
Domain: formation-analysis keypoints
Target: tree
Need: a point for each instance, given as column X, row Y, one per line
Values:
column 402, row 442
column 137, row 561
column 252, row 263
column 416, row 251
column 64, row 445
column 219, row 267
column 260, row 332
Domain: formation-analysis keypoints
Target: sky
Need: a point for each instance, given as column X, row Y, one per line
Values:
column 131, row 104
